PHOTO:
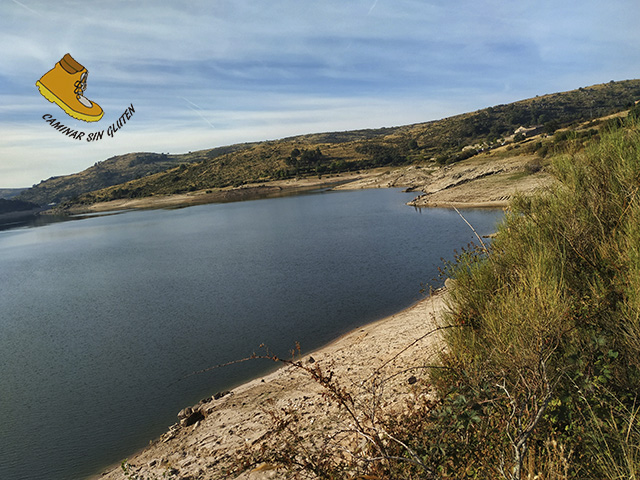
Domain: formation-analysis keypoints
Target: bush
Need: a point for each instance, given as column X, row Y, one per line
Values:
column 552, row 315
column 533, row 166
column 381, row 155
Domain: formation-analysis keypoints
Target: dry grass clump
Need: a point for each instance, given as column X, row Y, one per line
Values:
column 550, row 317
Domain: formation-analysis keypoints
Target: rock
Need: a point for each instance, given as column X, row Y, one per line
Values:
column 188, row 416
column 219, row 395
column 185, row 412
column 311, row 360
column 194, row 417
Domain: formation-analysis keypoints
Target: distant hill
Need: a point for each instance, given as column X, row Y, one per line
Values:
column 113, row 171
column 10, row 206
column 9, row 193
column 442, row 141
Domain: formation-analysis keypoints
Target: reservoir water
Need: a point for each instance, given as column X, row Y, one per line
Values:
column 103, row 319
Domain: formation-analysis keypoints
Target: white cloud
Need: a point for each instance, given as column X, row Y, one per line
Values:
column 32, row 152
column 255, row 70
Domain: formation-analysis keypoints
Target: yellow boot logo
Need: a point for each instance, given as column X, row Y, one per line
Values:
column 64, row 85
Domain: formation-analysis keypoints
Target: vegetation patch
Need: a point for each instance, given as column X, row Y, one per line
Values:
column 549, row 332
column 541, row 374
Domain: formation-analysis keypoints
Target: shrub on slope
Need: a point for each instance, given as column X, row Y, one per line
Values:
column 548, row 324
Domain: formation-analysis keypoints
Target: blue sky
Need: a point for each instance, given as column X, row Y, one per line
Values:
column 201, row 74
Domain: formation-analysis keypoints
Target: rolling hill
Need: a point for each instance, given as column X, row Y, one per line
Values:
column 449, row 140
column 9, row 193
column 114, row 171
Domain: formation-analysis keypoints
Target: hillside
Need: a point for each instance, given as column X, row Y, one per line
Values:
column 114, row 171
column 439, row 142
column 13, row 210
column 8, row 206
column 9, row 193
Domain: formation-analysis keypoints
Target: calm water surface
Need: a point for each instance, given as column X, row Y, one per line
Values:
column 101, row 319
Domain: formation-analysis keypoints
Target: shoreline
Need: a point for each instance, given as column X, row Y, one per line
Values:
column 475, row 183
column 254, row 191
column 207, row 438
column 210, row 435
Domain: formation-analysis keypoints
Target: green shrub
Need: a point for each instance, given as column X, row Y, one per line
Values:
column 552, row 314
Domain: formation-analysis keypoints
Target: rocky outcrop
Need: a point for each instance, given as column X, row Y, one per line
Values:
column 191, row 415
column 188, row 416
column 487, row 180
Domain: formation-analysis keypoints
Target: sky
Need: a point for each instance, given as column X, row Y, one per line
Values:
column 202, row 74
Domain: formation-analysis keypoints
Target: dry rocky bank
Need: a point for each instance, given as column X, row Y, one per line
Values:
column 478, row 182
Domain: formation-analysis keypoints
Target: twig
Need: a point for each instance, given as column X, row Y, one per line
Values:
column 486, row 250
column 430, row 332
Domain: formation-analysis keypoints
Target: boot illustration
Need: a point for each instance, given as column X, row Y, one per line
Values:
column 64, row 85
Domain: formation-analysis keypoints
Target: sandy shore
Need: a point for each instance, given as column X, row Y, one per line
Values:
column 276, row 188
column 206, row 444
column 482, row 182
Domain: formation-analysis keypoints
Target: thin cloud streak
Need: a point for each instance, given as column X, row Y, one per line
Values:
column 27, row 8
column 372, row 7
column 198, row 110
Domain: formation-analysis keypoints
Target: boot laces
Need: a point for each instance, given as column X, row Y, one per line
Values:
column 80, row 86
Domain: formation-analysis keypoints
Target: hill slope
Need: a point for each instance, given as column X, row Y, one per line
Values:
column 114, row 171
column 8, row 206
column 9, row 193
column 444, row 141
